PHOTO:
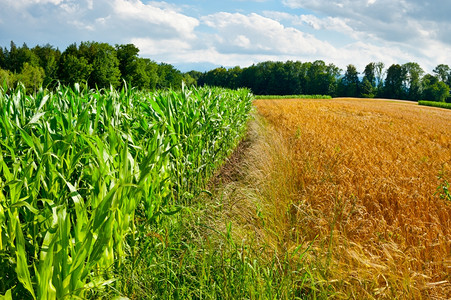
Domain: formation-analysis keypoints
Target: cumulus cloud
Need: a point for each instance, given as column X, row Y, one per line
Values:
column 326, row 23
column 257, row 34
column 160, row 47
column 267, row 38
column 392, row 20
column 115, row 21
column 135, row 12
column 336, row 31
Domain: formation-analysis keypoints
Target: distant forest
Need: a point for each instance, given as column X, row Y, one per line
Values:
column 407, row 81
column 101, row 65
column 92, row 63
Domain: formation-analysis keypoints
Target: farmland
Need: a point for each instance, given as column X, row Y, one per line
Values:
column 133, row 193
column 85, row 175
column 365, row 184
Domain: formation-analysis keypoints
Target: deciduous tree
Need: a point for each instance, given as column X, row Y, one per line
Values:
column 351, row 82
column 394, row 82
column 413, row 80
column 434, row 90
column 31, row 77
column 443, row 73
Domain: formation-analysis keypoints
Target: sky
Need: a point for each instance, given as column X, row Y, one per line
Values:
column 201, row 34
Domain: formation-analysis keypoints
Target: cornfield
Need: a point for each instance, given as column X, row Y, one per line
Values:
column 77, row 167
column 369, row 190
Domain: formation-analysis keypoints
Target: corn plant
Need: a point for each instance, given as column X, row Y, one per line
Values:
column 76, row 165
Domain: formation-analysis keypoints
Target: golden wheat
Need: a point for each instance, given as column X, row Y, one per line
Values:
column 369, row 174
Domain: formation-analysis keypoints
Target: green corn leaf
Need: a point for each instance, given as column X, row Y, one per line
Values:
column 35, row 118
column 44, row 273
column 43, row 102
column 25, row 204
column 27, row 138
column 23, row 274
column 8, row 295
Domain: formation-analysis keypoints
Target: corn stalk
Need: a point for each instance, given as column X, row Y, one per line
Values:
column 76, row 165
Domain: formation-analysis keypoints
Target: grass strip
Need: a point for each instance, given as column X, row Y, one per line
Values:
column 225, row 244
column 435, row 104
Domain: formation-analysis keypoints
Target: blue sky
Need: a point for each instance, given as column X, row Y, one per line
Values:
column 201, row 34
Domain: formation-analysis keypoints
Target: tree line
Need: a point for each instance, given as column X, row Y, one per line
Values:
column 408, row 81
column 101, row 65
column 92, row 63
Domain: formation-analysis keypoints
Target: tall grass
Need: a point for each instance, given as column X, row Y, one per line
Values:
column 82, row 170
column 221, row 246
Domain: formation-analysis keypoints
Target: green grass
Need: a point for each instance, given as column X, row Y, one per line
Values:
column 187, row 259
column 435, row 104
column 91, row 180
column 293, row 97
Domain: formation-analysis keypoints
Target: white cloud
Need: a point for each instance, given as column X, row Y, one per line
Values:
column 332, row 24
column 137, row 11
column 292, row 3
column 166, row 6
column 70, row 8
column 360, row 54
column 243, row 42
column 154, row 47
column 391, row 20
column 81, row 25
column 25, row 3
column 262, row 35
column 101, row 20
column 336, row 31
column 268, row 39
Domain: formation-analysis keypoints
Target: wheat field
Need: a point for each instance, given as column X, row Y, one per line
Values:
column 370, row 193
